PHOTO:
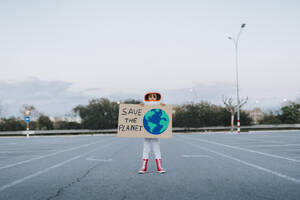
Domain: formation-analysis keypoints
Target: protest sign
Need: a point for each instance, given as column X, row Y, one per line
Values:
column 146, row 121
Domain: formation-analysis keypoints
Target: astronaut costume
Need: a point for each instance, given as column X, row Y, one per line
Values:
column 152, row 98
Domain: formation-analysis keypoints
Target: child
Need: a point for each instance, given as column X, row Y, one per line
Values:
column 152, row 98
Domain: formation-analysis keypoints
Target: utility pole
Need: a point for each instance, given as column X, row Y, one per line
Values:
column 235, row 42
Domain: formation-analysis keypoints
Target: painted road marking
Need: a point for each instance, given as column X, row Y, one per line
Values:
column 289, row 178
column 196, row 156
column 36, row 174
column 285, row 150
column 243, row 149
column 48, row 155
column 50, row 168
column 273, row 145
column 99, row 160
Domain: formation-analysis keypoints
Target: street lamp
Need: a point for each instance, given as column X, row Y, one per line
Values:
column 235, row 42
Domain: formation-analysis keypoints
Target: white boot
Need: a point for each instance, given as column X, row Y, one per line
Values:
column 159, row 166
column 144, row 166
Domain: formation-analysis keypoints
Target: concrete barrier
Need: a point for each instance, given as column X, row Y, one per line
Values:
column 176, row 129
column 243, row 128
column 57, row 132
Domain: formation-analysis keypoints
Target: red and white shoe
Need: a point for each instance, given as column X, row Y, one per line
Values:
column 143, row 170
column 159, row 166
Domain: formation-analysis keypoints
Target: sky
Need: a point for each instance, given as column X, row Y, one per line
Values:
column 60, row 53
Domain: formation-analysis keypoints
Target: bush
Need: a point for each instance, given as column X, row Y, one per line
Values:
column 44, row 123
column 66, row 125
column 290, row 114
column 270, row 118
column 12, row 124
column 205, row 114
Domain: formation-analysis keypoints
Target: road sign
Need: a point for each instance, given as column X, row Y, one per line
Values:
column 27, row 119
column 27, row 112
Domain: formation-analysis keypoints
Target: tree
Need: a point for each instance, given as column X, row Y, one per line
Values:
column 245, row 118
column 12, row 124
column 66, row 125
column 71, row 116
column 44, row 123
column 99, row 114
column 132, row 101
column 232, row 108
column 290, row 114
column 270, row 118
column 203, row 114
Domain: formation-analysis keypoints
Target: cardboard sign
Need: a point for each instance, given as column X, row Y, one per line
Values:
column 146, row 121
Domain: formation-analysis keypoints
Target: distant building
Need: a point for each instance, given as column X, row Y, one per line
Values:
column 256, row 115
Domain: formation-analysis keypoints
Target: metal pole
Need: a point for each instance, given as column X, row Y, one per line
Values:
column 237, row 90
column 237, row 77
column 27, row 129
column 27, row 114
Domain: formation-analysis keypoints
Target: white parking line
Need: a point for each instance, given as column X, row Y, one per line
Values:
column 272, row 145
column 247, row 163
column 196, row 156
column 98, row 160
column 48, row 155
column 286, row 150
column 11, row 151
column 243, row 149
column 50, row 168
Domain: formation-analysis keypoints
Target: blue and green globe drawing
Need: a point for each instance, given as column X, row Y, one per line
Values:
column 156, row 121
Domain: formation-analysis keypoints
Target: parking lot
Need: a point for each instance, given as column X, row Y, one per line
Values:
column 257, row 165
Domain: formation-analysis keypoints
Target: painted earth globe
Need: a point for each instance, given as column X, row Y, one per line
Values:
column 156, row 121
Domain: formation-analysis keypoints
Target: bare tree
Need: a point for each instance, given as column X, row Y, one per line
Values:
column 232, row 108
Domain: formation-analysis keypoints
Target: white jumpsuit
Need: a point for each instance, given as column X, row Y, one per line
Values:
column 151, row 142
column 154, row 142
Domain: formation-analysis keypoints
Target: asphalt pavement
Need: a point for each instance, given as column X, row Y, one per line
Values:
column 257, row 165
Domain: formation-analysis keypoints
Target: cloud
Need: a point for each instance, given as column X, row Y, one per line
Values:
column 50, row 97
column 199, row 92
column 56, row 98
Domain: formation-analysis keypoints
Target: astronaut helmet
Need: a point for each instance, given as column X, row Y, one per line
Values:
column 152, row 97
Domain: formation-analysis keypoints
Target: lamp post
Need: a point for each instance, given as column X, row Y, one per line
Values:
column 235, row 42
